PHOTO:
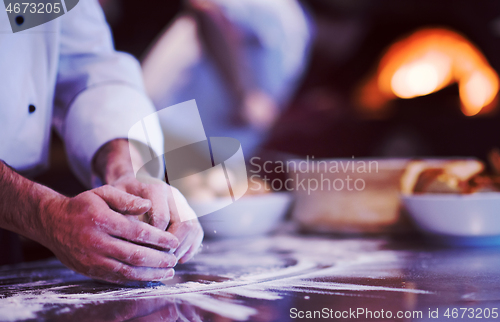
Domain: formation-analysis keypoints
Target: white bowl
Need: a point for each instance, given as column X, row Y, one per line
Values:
column 247, row 216
column 457, row 219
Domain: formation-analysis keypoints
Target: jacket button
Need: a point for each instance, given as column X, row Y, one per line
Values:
column 19, row 20
column 31, row 108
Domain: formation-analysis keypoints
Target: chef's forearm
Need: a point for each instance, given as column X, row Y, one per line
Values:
column 22, row 203
column 223, row 42
column 114, row 160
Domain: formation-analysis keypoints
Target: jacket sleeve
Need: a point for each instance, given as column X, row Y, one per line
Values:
column 99, row 92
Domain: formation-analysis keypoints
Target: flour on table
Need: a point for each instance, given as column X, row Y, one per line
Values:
column 261, row 269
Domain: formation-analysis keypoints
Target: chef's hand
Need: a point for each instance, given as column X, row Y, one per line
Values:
column 96, row 234
column 113, row 163
column 260, row 110
column 165, row 213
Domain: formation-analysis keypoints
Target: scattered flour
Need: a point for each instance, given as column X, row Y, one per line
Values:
column 260, row 269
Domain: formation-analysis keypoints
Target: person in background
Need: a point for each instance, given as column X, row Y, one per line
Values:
column 240, row 60
column 66, row 73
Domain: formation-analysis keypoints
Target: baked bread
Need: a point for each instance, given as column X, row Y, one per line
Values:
column 454, row 176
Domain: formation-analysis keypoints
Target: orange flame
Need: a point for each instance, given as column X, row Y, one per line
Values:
column 425, row 62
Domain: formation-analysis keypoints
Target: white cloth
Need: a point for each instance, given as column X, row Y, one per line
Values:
column 68, row 69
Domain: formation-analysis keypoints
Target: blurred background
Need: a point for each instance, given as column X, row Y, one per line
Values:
column 323, row 117
column 323, row 78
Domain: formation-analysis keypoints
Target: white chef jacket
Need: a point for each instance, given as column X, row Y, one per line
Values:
column 67, row 73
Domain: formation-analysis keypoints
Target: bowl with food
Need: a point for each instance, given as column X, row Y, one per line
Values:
column 453, row 201
column 250, row 215
column 258, row 212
